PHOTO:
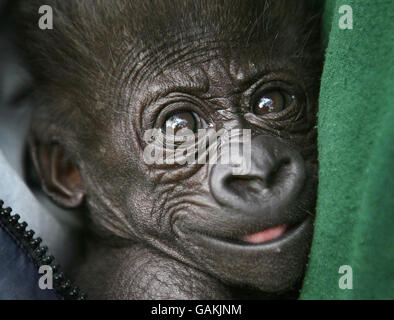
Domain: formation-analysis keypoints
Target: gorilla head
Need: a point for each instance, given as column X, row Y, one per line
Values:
column 110, row 71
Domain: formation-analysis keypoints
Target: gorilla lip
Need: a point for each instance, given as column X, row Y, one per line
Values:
column 265, row 235
column 266, row 238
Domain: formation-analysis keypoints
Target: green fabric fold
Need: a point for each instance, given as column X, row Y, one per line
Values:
column 355, row 212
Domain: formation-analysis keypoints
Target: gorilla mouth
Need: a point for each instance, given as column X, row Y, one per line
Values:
column 262, row 237
column 265, row 235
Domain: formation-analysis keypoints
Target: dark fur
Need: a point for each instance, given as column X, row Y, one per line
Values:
column 92, row 38
column 101, row 52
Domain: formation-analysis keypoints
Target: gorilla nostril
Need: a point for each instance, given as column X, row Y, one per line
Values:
column 256, row 183
column 244, row 185
column 278, row 172
column 274, row 179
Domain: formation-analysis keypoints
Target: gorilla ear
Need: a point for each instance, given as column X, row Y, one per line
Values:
column 60, row 178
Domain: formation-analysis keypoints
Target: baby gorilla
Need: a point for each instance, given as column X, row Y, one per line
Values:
column 111, row 70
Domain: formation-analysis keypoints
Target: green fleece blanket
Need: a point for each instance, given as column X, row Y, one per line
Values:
column 355, row 212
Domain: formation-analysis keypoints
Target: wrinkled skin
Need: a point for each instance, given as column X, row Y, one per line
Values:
column 184, row 231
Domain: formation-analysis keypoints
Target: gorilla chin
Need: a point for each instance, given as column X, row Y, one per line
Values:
column 273, row 265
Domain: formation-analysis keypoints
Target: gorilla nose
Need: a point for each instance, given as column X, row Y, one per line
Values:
column 273, row 180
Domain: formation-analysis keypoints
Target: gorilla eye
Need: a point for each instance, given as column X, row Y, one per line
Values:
column 183, row 120
column 271, row 102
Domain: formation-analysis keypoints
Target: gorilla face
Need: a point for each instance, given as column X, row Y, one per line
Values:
column 255, row 228
column 251, row 229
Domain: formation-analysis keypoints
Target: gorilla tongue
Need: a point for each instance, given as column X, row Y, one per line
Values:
column 265, row 235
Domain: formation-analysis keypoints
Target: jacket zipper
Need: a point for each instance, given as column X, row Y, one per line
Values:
column 39, row 253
